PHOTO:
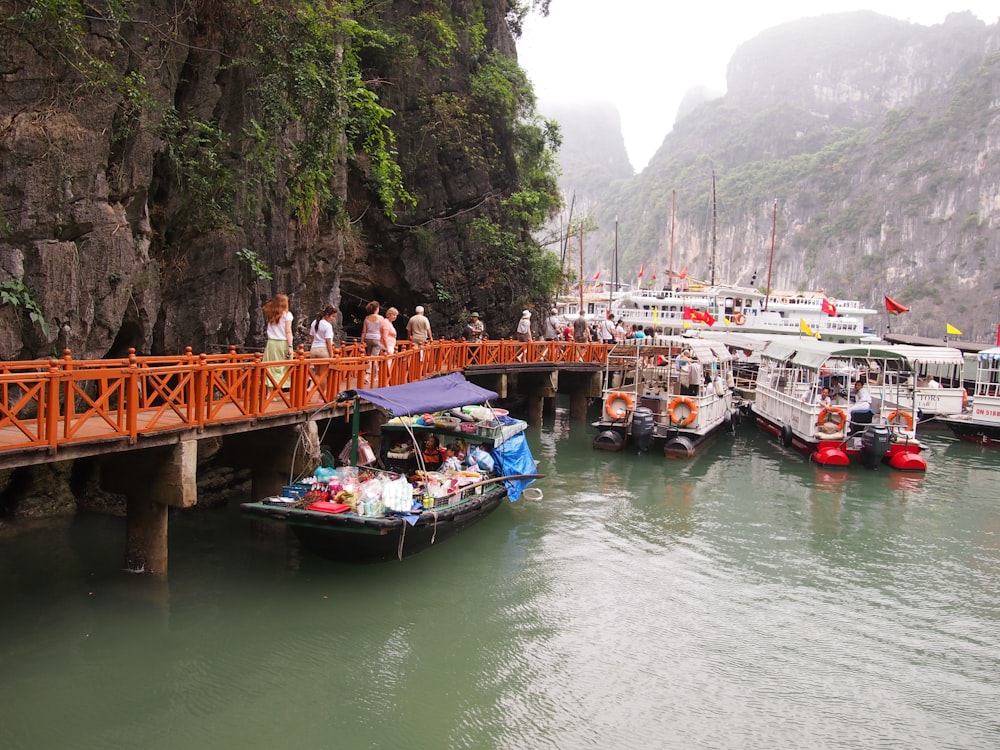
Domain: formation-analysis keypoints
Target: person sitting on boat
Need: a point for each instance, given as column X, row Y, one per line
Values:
column 824, row 400
column 861, row 411
column 451, row 461
column 433, row 453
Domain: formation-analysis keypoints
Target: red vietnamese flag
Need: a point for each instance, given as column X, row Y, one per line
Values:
column 891, row 306
column 597, row 275
column 684, row 273
column 642, row 269
column 699, row 316
column 829, row 308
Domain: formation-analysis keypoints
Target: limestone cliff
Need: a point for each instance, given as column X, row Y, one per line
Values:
column 165, row 167
column 877, row 137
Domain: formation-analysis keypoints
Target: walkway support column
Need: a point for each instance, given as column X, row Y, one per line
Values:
column 152, row 480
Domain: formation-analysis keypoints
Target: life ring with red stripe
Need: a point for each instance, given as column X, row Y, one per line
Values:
column 739, row 319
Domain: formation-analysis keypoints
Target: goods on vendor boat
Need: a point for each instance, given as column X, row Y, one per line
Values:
column 787, row 403
column 400, row 500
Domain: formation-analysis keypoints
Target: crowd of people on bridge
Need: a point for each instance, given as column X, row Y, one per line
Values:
column 379, row 332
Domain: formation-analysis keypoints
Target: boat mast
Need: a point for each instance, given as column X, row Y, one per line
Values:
column 770, row 263
column 614, row 287
column 670, row 269
column 712, row 275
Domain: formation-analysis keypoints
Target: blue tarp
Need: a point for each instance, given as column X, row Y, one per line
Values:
column 514, row 457
column 435, row 394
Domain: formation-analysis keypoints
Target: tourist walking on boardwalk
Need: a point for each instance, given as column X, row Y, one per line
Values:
column 552, row 327
column 606, row 329
column 279, row 337
column 418, row 328
column 581, row 331
column 524, row 326
column 371, row 330
column 389, row 330
column 321, row 332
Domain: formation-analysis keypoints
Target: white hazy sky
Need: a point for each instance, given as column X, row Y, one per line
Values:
column 642, row 55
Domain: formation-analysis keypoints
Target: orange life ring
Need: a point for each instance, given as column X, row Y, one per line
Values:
column 682, row 421
column 624, row 404
column 739, row 319
column 893, row 419
column 838, row 414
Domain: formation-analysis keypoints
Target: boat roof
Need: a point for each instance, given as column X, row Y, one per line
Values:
column 963, row 346
column 809, row 352
column 433, row 394
column 931, row 355
column 992, row 353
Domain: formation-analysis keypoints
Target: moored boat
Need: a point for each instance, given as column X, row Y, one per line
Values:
column 394, row 502
column 787, row 403
column 980, row 423
column 701, row 306
column 676, row 392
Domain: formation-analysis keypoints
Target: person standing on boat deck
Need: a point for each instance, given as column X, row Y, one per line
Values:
column 861, row 412
column 581, row 332
column 524, row 326
column 476, row 331
column 371, row 330
column 418, row 327
column 695, row 376
column 279, row 337
column 552, row 326
column 824, row 401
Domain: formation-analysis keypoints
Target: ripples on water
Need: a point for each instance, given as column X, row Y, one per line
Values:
column 741, row 599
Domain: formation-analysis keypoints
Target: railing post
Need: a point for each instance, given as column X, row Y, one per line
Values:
column 253, row 406
column 52, row 406
column 202, row 391
column 69, row 403
column 132, row 404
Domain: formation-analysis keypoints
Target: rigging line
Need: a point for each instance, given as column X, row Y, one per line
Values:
column 453, row 215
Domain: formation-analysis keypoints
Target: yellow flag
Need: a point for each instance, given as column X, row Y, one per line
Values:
column 951, row 330
column 804, row 328
column 656, row 321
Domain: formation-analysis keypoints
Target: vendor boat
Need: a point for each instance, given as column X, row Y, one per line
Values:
column 368, row 510
column 650, row 396
column 980, row 422
column 791, row 375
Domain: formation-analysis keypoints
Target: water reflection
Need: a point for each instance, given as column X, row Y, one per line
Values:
column 638, row 593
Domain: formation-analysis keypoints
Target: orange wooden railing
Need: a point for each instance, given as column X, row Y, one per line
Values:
column 51, row 403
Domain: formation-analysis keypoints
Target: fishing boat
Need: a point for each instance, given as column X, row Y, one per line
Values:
column 390, row 503
column 787, row 404
column 676, row 392
column 980, row 423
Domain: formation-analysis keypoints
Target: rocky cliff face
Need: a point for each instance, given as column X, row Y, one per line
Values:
column 165, row 168
column 877, row 137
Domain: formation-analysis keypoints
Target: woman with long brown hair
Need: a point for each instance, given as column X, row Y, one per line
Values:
column 279, row 337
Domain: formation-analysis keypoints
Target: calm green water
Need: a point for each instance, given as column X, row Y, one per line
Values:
column 743, row 599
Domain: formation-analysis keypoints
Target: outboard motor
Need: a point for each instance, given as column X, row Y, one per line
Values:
column 874, row 444
column 642, row 428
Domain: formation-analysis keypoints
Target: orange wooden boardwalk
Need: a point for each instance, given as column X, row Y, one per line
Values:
column 58, row 409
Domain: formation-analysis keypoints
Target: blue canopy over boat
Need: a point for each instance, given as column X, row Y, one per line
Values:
column 435, row 394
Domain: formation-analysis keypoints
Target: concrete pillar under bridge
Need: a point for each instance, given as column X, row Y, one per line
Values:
column 152, row 480
column 274, row 456
column 581, row 387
